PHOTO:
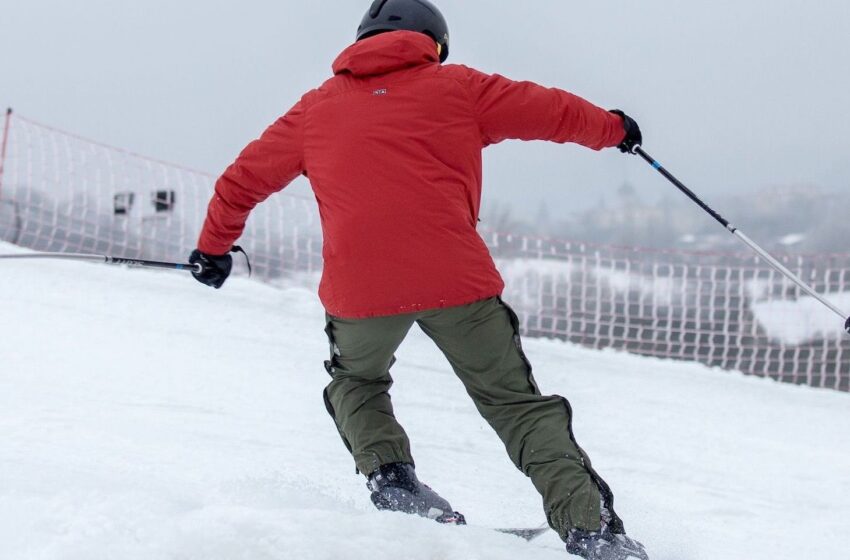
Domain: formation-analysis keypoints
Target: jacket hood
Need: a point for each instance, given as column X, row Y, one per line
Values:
column 386, row 53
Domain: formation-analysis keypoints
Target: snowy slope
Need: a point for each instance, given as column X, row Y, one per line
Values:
column 143, row 416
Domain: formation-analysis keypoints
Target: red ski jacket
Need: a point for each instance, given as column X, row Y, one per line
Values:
column 392, row 148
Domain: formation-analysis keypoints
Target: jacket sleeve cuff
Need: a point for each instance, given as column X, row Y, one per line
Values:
column 210, row 246
column 619, row 129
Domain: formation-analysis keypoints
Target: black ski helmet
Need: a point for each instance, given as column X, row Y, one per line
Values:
column 410, row 15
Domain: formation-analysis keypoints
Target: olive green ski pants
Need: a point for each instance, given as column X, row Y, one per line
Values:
column 482, row 344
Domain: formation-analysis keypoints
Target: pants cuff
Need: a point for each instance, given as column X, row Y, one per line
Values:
column 369, row 461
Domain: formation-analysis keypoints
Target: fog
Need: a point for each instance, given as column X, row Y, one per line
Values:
column 733, row 96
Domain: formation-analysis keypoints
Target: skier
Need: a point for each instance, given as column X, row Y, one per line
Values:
column 392, row 145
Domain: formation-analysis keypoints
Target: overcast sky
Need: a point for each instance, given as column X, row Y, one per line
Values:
column 731, row 95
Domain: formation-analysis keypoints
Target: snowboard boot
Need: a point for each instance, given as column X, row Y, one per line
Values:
column 604, row 545
column 395, row 488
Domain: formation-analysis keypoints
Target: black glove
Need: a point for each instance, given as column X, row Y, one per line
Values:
column 633, row 136
column 215, row 269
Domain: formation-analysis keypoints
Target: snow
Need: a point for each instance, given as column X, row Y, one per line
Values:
column 144, row 416
column 792, row 239
column 530, row 272
column 800, row 321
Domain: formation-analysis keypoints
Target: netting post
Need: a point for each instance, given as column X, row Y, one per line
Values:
column 3, row 146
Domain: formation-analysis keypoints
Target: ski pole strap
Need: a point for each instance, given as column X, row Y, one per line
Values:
column 239, row 249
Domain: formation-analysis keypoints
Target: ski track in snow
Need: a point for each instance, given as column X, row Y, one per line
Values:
column 144, row 416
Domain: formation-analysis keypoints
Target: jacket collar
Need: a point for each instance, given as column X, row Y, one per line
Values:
column 386, row 53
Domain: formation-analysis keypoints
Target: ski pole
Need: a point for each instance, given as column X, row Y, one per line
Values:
column 740, row 235
column 196, row 268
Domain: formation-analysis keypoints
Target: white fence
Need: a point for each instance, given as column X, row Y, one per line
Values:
column 728, row 311
column 60, row 192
